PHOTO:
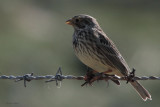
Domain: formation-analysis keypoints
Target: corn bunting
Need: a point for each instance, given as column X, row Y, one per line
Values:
column 93, row 47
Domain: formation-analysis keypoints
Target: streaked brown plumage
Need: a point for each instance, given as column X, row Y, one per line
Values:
column 96, row 50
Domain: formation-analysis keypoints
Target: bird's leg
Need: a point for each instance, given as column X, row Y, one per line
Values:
column 130, row 77
column 92, row 76
column 97, row 76
column 89, row 75
column 100, row 75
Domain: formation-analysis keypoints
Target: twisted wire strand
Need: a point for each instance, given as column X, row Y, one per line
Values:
column 60, row 77
column 29, row 77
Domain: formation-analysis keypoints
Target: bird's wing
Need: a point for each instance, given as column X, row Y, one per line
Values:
column 111, row 54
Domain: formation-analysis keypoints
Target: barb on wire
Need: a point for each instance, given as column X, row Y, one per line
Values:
column 59, row 77
column 25, row 78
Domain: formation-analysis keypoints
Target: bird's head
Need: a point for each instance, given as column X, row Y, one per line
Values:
column 82, row 22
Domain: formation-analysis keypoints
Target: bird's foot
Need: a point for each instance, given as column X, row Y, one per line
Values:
column 130, row 77
column 92, row 76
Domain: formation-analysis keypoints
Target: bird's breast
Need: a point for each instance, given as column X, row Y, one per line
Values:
column 91, row 58
column 85, row 52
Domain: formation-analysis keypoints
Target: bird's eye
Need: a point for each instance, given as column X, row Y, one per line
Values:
column 77, row 20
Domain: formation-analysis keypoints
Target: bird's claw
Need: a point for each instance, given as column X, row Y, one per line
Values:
column 88, row 78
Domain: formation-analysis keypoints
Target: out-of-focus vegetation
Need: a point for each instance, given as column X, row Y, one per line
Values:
column 35, row 38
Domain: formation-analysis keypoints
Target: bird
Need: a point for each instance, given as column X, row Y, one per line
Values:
column 97, row 51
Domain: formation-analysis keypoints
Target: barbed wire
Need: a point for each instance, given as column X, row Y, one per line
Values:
column 58, row 77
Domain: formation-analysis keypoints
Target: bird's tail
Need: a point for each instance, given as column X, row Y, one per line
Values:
column 141, row 91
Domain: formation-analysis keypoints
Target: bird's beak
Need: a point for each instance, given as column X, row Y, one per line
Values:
column 69, row 22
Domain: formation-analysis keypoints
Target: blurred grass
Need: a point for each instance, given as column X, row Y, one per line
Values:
column 34, row 38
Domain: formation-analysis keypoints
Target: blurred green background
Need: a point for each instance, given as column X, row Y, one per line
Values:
column 35, row 38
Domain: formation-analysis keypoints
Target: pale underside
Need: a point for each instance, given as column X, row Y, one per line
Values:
column 96, row 64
